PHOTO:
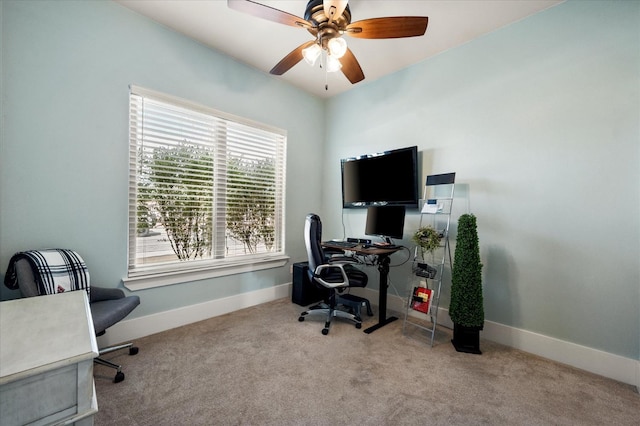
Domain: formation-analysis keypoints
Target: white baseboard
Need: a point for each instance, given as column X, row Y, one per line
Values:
column 397, row 304
column 609, row 365
column 626, row 370
column 135, row 328
column 593, row 360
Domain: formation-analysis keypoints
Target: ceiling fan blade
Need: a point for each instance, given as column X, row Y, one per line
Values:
column 351, row 68
column 334, row 8
column 390, row 27
column 269, row 13
column 290, row 60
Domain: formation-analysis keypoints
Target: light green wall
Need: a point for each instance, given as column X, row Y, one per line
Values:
column 64, row 167
column 541, row 122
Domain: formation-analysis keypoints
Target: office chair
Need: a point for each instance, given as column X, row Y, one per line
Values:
column 108, row 307
column 333, row 274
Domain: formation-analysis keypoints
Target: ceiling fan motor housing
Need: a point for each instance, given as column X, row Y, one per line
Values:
column 323, row 29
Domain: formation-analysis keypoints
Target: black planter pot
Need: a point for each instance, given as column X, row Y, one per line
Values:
column 466, row 339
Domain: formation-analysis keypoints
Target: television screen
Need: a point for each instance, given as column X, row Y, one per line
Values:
column 385, row 178
column 385, row 221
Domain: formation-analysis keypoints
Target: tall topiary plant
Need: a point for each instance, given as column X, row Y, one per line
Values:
column 466, row 308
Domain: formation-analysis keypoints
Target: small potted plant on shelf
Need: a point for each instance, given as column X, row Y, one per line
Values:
column 427, row 239
column 466, row 308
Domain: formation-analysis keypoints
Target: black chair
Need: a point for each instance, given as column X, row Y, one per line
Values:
column 335, row 274
column 108, row 307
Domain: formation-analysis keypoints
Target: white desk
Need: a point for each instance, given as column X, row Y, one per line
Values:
column 47, row 346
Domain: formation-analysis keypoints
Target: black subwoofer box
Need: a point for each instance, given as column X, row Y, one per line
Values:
column 305, row 292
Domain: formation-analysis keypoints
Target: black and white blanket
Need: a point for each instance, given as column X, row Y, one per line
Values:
column 55, row 270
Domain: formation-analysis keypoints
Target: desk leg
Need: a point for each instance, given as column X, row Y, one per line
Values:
column 383, row 268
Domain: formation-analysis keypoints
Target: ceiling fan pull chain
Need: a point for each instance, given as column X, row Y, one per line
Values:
column 326, row 77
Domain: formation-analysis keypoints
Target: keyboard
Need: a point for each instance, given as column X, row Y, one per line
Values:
column 341, row 244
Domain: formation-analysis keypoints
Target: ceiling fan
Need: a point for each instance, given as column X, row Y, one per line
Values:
column 327, row 21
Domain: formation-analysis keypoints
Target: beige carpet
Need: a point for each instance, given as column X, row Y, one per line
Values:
column 260, row 366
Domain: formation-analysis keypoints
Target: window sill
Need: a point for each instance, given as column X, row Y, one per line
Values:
column 178, row 277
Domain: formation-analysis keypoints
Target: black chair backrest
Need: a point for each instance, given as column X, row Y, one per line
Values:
column 313, row 242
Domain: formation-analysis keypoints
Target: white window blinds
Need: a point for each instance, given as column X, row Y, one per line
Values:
column 204, row 187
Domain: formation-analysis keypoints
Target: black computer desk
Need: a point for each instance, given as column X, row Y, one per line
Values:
column 382, row 255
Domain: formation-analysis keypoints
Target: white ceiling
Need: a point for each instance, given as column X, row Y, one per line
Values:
column 261, row 43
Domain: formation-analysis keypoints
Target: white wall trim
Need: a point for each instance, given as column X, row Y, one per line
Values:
column 162, row 321
column 638, row 376
column 609, row 365
column 593, row 360
column 622, row 369
column 159, row 279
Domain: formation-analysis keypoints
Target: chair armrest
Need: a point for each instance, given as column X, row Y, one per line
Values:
column 101, row 293
column 320, row 268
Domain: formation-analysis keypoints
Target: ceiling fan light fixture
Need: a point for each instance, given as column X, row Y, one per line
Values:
column 311, row 54
column 333, row 64
column 337, row 47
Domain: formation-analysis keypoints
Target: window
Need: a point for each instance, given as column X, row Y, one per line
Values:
column 206, row 189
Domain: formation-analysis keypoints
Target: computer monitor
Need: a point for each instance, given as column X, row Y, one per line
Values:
column 385, row 221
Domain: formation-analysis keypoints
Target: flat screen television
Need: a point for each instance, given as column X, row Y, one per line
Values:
column 385, row 221
column 384, row 178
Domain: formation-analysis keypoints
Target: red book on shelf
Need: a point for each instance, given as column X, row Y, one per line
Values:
column 421, row 299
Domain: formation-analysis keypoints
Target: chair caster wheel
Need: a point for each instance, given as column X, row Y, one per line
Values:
column 325, row 331
column 301, row 319
column 133, row 350
column 358, row 325
column 119, row 377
